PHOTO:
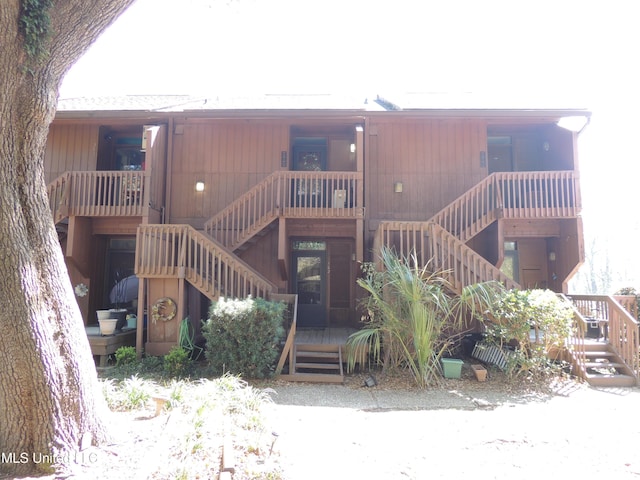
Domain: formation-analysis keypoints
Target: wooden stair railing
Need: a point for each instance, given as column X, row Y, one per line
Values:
column 288, row 351
column 248, row 214
column 471, row 212
column 180, row 251
column 464, row 265
column 551, row 194
column 503, row 194
column 433, row 244
column 289, row 193
column 58, row 192
column 622, row 328
column 97, row 194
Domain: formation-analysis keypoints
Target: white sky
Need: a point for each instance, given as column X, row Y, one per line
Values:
column 559, row 52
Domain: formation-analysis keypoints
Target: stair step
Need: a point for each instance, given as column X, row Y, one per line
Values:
column 611, row 380
column 320, row 355
column 319, row 366
column 604, row 365
column 601, row 353
column 313, row 378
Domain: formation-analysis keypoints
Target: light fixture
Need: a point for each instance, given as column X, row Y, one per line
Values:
column 552, row 256
column 397, row 187
column 352, row 148
column 199, row 186
column 575, row 123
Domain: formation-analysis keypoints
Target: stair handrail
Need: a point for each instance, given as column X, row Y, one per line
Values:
column 466, row 266
column 622, row 327
column 472, row 211
column 260, row 202
column 575, row 342
column 58, row 193
column 532, row 194
column 288, row 350
column 177, row 251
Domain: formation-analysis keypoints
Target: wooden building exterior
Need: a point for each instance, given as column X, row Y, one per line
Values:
column 201, row 199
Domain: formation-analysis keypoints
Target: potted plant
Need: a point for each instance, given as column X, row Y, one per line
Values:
column 119, row 296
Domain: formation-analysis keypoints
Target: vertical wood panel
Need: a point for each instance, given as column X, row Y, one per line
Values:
column 70, row 148
column 230, row 156
column 436, row 159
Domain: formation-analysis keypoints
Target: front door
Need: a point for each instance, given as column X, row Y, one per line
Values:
column 309, row 282
column 309, row 155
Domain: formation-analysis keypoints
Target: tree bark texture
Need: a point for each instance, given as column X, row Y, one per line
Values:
column 49, row 394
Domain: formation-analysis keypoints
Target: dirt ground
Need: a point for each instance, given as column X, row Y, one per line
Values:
column 462, row 429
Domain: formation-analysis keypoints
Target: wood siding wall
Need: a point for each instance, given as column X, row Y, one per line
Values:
column 70, row 147
column 435, row 160
column 228, row 156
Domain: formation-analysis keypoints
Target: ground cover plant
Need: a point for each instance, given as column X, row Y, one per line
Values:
column 197, row 418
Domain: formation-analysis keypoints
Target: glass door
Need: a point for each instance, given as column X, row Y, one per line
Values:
column 309, row 266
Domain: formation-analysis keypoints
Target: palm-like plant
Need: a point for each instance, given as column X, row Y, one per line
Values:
column 412, row 316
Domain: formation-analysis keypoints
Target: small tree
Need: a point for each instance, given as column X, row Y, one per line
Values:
column 413, row 315
column 243, row 336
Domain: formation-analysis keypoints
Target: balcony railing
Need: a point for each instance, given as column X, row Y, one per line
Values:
column 292, row 194
column 98, row 194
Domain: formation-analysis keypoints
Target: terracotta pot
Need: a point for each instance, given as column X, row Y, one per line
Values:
column 479, row 371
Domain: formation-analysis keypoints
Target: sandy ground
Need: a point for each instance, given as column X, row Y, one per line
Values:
column 460, row 431
column 463, row 429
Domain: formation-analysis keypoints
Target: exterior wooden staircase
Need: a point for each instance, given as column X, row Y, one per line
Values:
column 605, row 368
column 441, row 240
column 316, row 363
column 605, row 350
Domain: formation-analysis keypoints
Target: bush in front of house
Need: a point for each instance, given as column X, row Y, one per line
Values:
column 177, row 363
column 243, row 336
column 532, row 323
column 126, row 356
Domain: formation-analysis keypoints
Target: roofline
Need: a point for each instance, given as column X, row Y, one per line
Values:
column 323, row 113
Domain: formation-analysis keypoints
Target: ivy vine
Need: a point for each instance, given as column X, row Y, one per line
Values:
column 35, row 25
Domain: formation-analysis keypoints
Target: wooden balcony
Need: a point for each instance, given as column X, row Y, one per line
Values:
column 99, row 194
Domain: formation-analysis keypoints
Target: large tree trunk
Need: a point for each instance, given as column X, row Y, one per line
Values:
column 49, row 394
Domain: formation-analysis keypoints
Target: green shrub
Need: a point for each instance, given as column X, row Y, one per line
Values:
column 243, row 336
column 125, row 356
column 177, row 362
column 531, row 323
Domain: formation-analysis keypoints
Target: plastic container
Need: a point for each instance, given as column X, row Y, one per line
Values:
column 451, row 367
